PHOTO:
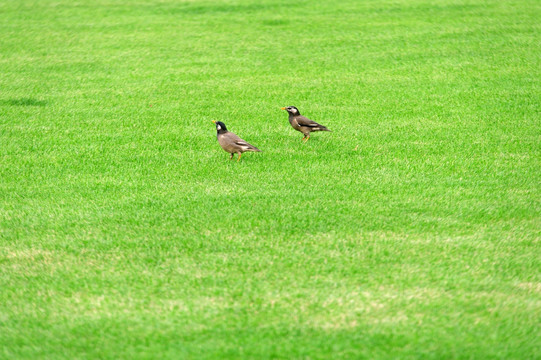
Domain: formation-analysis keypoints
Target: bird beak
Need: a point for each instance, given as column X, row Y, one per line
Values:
column 214, row 121
column 283, row 108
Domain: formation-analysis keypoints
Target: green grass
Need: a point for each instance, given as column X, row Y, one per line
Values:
column 410, row 231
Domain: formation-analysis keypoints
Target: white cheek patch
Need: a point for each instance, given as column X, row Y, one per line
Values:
column 294, row 111
column 218, row 127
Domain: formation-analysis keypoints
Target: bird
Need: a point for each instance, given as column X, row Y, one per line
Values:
column 303, row 124
column 230, row 142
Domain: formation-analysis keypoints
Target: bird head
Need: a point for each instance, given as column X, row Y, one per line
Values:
column 292, row 110
column 220, row 127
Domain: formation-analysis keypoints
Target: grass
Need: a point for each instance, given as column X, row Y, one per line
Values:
column 410, row 231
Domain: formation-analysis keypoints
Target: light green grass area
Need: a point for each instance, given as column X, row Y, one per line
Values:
column 410, row 231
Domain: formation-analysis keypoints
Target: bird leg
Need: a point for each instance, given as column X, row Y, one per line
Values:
column 231, row 157
column 303, row 138
column 240, row 154
column 306, row 137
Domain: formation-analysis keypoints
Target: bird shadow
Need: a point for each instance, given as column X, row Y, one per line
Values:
column 23, row 102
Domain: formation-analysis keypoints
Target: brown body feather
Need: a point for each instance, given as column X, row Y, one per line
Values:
column 231, row 143
column 305, row 125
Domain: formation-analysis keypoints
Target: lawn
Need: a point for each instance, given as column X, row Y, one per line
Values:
column 412, row 230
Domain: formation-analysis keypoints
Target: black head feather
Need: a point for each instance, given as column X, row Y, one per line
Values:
column 292, row 110
column 220, row 127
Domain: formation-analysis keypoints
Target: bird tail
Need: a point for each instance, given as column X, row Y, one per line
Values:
column 253, row 148
column 321, row 128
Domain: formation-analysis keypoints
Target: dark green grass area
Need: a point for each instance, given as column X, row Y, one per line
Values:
column 412, row 230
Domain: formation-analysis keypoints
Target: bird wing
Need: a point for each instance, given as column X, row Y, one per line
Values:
column 312, row 125
column 236, row 141
column 304, row 121
column 230, row 137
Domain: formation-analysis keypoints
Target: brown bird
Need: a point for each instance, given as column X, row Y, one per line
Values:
column 231, row 142
column 303, row 124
